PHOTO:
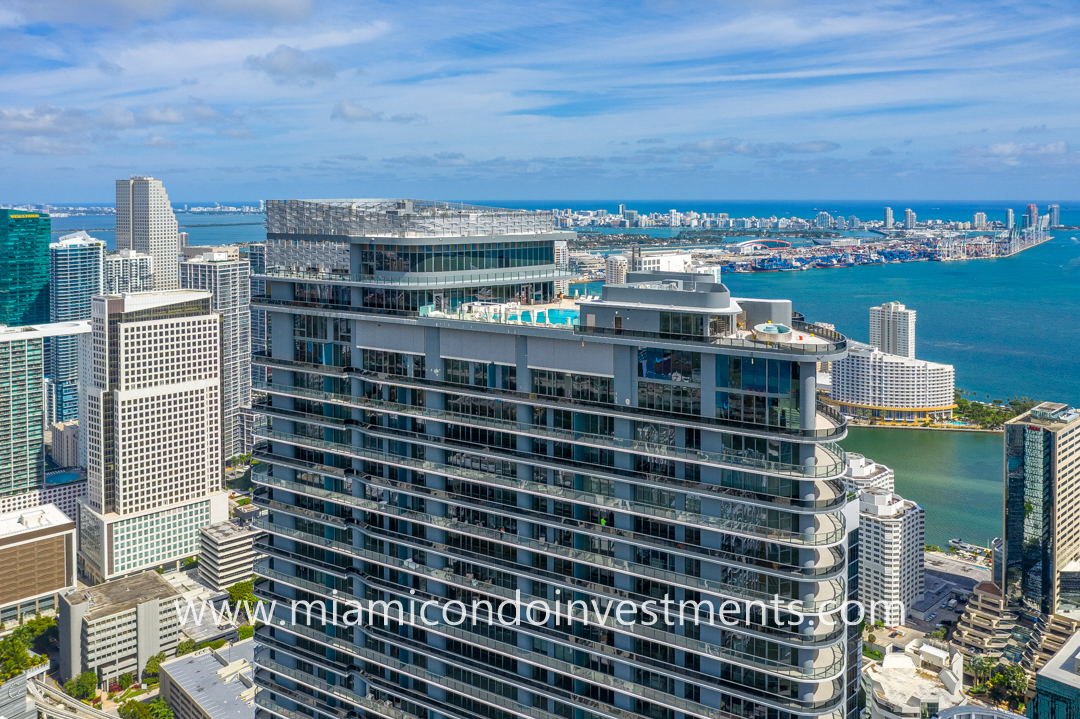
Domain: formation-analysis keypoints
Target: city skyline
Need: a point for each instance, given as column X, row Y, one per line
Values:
column 744, row 101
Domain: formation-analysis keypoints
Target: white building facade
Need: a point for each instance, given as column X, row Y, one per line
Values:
column 128, row 271
column 228, row 280
column 892, row 536
column 865, row 473
column 892, row 329
column 152, row 432
column 615, row 273
column 884, row 388
column 145, row 223
column 75, row 275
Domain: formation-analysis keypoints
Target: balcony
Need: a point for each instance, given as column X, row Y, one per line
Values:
column 495, row 276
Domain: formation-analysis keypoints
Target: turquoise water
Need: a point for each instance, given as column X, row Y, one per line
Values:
column 222, row 229
column 957, row 477
column 62, row 478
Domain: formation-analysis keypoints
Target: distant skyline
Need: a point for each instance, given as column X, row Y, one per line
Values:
column 602, row 100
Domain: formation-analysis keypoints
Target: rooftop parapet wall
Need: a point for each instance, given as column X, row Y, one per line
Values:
column 400, row 218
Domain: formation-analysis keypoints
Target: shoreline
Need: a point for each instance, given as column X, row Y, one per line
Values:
column 938, row 429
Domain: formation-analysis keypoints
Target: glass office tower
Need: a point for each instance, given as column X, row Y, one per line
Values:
column 76, row 268
column 24, row 267
column 439, row 429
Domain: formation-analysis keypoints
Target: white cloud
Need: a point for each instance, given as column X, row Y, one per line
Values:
column 158, row 141
column 160, row 115
column 345, row 110
column 290, row 66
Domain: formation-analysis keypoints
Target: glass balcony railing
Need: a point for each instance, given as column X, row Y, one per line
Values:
column 830, row 460
column 831, row 533
column 833, row 343
column 481, row 278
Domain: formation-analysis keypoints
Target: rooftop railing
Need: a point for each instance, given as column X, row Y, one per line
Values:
column 480, row 279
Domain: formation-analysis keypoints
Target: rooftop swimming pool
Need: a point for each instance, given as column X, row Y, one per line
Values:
column 63, row 478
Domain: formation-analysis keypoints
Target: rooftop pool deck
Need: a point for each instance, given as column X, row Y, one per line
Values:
column 63, row 477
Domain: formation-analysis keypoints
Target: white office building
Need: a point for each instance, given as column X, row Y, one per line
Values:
column 892, row 329
column 892, row 537
column 128, row 271
column 114, row 628
column 226, row 554
column 670, row 262
column 884, row 388
column 145, row 223
column 615, row 273
column 152, row 431
column 228, row 280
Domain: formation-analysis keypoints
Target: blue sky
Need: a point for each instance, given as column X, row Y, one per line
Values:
column 728, row 99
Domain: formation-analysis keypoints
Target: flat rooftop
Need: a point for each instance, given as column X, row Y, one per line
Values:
column 121, row 595
column 55, row 329
column 1051, row 415
column 21, row 521
column 1062, row 666
column 200, row 675
column 910, row 687
column 226, row 531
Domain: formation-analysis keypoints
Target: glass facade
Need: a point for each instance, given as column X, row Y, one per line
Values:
column 76, row 269
column 431, row 462
column 24, row 268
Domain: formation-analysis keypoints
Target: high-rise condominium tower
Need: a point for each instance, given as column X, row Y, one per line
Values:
column 1010, row 219
column 152, row 425
column 1054, row 213
column 128, row 271
column 1042, row 517
column 909, row 219
column 888, row 218
column 426, row 445
column 145, row 223
column 1031, row 217
column 892, row 329
column 256, row 257
column 892, row 536
column 980, row 220
column 227, row 280
column 24, row 267
column 22, row 404
column 75, row 268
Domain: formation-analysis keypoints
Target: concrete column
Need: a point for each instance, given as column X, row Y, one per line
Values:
column 807, row 394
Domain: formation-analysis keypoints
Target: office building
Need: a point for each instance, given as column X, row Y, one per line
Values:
column 615, row 273
column 892, row 538
column 112, row 629
column 226, row 554
column 892, row 329
column 1031, row 216
column 76, row 268
column 211, row 683
column 888, row 218
column 1057, row 684
column 980, row 221
column 1042, row 522
column 916, row 683
column 37, row 553
column 152, row 429
column 864, row 473
column 1053, row 212
column 667, row 262
column 145, row 223
column 888, row 389
column 24, row 267
column 562, row 262
column 22, row 404
column 631, row 455
column 16, row 700
column 1010, row 219
column 128, row 271
column 909, row 219
column 65, row 443
column 228, row 282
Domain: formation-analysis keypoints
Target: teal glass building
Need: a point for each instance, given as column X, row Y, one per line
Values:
column 24, row 267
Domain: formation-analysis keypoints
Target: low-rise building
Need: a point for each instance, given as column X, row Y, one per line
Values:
column 874, row 386
column 114, row 628
column 987, row 623
column 37, row 560
column 865, row 473
column 892, row 536
column 1057, row 684
column 65, row 443
column 226, row 554
column 211, row 683
column 62, row 488
column 916, row 683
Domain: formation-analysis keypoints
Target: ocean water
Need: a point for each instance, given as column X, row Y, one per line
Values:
column 207, row 229
column 957, row 477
